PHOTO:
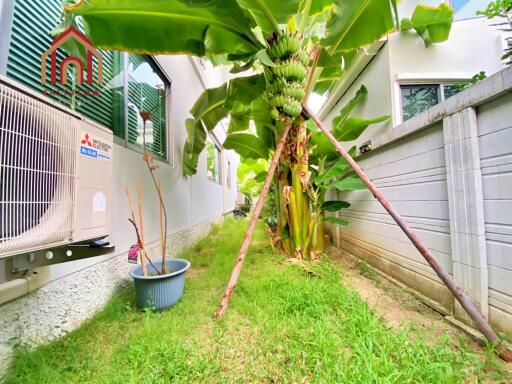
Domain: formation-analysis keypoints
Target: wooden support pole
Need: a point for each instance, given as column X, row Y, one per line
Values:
column 469, row 307
column 141, row 230
column 250, row 229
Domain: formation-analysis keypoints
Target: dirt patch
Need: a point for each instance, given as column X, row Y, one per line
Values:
column 399, row 308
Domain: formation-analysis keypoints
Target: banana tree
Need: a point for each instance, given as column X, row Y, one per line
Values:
column 331, row 172
column 295, row 46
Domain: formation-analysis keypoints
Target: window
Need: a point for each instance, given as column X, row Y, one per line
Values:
column 419, row 97
column 30, row 38
column 147, row 91
column 130, row 82
column 213, row 161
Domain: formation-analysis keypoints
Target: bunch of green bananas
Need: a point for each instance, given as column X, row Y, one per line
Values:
column 286, row 80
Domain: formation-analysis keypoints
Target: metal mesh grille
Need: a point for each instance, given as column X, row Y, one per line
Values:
column 38, row 147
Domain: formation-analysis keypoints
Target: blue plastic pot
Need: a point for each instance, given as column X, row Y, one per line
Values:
column 160, row 291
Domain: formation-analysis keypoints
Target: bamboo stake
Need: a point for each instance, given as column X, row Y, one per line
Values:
column 143, row 253
column 162, row 235
column 141, row 230
column 134, row 223
column 469, row 307
column 250, row 229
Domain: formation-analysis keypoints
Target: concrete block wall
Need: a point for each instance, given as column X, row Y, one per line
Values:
column 448, row 171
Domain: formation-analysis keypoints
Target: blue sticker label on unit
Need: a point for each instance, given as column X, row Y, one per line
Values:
column 88, row 152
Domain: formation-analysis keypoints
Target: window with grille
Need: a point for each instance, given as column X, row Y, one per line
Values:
column 130, row 82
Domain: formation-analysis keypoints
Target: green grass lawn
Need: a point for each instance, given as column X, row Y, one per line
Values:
column 286, row 324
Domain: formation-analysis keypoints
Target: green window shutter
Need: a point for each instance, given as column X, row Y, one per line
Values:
column 32, row 22
column 147, row 91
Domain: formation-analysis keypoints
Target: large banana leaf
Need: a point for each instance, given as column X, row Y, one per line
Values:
column 336, row 170
column 336, row 221
column 270, row 13
column 245, row 89
column 208, row 111
column 433, row 24
column 246, row 145
column 354, row 24
column 209, row 107
column 359, row 97
column 196, row 141
column 195, row 27
column 318, row 6
column 352, row 183
column 240, row 117
column 350, row 130
column 334, row 205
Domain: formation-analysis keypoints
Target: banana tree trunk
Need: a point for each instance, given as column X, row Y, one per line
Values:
column 250, row 229
column 320, row 233
column 282, row 213
column 469, row 307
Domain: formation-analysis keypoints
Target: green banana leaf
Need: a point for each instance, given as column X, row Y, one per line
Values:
column 168, row 26
column 336, row 221
column 244, row 89
column 351, row 183
column 209, row 107
column 433, row 24
column 208, row 111
column 318, row 6
column 359, row 97
column 353, row 127
column 246, row 145
column 334, row 205
column 194, row 145
column 240, row 116
column 336, row 170
column 354, row 24
column 270, row 13
column 349, row 130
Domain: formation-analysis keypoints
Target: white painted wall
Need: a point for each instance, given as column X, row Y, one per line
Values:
column 473, row 46
column 189, row 201
column 379, row 100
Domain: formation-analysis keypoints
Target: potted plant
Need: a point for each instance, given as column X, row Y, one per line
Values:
column 158, row 284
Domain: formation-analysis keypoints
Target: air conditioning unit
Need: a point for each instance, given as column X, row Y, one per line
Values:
column 55, row 174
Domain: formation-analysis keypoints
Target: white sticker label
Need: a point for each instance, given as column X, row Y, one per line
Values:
column 99, row 202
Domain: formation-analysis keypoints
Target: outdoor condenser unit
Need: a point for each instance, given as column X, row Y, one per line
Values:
column 55, row 175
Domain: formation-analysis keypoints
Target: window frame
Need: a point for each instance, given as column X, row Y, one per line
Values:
column 169, row 137
column 407, row 79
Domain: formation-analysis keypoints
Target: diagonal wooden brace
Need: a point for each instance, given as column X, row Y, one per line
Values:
column 469, row 307
column 250, row 229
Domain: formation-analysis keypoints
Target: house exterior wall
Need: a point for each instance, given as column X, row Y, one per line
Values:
column 446, row 171
column 473, row 46
column 76, row 290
